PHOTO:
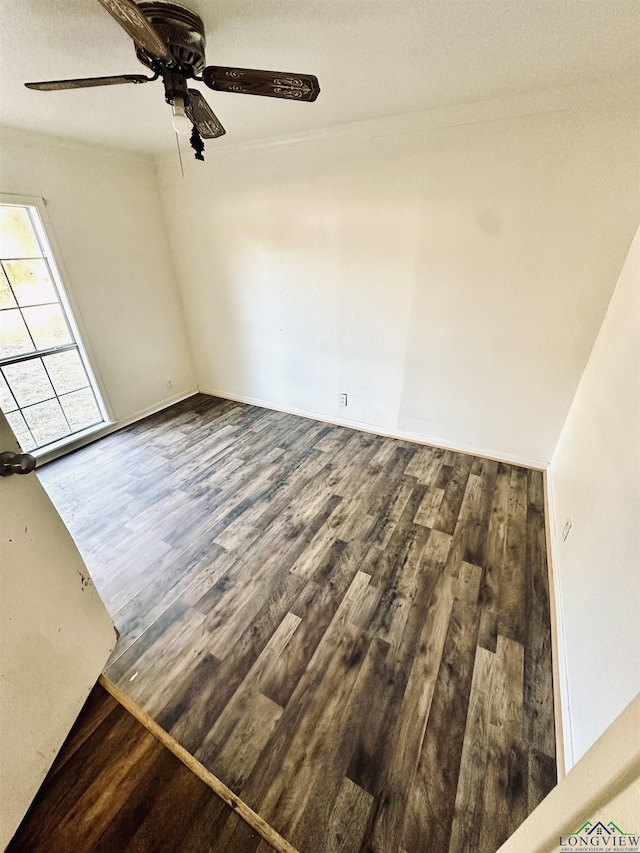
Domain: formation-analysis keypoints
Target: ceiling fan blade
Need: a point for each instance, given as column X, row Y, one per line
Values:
column 86, row 82
column 138, row 27
column 202, row 116
column 272, row 84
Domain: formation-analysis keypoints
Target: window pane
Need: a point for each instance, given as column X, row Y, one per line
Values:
column 66, row 371
column 29, row 381
column 6, row 297
column 47, row 394
column 46, row 421
column 20, row 430
column 47, row 326
column 14, row 337
column 31, row 282
column 17, row 237
column 7, row 403
column 80, row 409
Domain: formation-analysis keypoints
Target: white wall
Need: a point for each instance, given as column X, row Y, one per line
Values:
column 450, row 279
column 103, row 207
column 595, row 480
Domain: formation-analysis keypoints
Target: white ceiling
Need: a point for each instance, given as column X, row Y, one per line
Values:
column 373, row 59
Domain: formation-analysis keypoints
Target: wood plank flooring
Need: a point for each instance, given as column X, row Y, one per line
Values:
column 114, row 787
column 352, row 632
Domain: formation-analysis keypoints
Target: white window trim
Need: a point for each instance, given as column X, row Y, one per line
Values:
column 46, row 236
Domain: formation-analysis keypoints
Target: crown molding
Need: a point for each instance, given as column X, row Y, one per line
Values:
column 607, row 94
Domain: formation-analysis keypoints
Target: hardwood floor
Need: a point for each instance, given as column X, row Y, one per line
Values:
column 114, row 787
column 352, row 632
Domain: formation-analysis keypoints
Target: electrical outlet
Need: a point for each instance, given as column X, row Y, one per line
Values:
column 343, row 400
column 566, row 528
column 169, row 382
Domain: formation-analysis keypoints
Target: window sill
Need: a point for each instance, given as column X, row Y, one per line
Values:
column 71, row 442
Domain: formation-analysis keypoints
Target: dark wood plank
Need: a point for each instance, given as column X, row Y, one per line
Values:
column 512, row 605
column 373, row 742
column 349, row 630
column 431, row 805
column 542, row 777
column 330, row 792
column 316, row 612
column 494, row 541
column 387, row 827
column 467, row 819
column 115, row 787
column 454, row 486
column 505, row 791
column 477, row 526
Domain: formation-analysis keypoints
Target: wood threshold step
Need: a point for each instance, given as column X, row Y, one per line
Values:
column 196, row 767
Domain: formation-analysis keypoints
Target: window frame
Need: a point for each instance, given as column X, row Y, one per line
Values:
column 73, row 317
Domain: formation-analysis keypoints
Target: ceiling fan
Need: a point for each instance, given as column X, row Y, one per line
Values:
column 170, row 40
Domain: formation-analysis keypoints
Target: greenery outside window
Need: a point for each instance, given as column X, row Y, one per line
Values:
column 47, row 390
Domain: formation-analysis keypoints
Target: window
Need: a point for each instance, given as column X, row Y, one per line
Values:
column 47, row 390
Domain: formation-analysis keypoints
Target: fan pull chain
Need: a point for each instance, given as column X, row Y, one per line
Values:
column 180, row 155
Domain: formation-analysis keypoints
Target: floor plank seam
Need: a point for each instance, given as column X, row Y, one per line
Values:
column 244, row 811
column 255, row 588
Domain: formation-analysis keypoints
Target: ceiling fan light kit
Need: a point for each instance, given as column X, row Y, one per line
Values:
column 170, row 40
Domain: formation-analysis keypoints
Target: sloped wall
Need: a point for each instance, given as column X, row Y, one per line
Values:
column 451, row 280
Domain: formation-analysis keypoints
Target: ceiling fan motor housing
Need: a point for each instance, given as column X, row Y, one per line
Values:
column 170, row 40
column 181, row 30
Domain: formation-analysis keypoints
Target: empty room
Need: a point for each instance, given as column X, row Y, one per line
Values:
column 320, row 457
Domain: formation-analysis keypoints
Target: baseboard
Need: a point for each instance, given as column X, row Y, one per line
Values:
column 141, row 414
column 114, row 426
column 564, row 741
column 416, row 438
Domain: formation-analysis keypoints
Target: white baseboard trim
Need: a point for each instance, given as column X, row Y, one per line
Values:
column 562, row 709
column 113, row 426
column 417, row 438
column 156, row 407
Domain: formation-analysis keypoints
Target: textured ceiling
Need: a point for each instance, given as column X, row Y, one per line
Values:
column 373, row 59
